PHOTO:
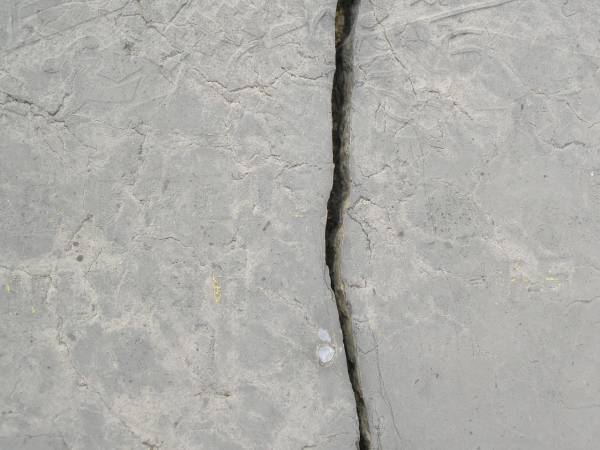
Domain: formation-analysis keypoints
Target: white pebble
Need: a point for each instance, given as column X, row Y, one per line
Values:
column 326, row 354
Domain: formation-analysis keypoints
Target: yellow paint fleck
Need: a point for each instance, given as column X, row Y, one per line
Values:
column 216, row 289
column 33, row 310
column 7, row 288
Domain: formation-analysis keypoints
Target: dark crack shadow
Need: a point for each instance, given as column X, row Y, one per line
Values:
column 346, row 14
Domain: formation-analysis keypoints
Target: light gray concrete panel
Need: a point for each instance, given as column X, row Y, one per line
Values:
column 164, row 173
column 471, row 255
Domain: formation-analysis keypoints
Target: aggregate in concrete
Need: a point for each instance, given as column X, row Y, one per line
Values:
column 471, row 255
column 164, row 174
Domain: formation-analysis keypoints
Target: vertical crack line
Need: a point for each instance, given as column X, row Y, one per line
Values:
column 346, row 13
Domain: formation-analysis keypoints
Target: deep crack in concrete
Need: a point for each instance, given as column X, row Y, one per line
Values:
column 346, row 13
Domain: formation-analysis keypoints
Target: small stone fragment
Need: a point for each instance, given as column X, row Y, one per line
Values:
column 326, row 354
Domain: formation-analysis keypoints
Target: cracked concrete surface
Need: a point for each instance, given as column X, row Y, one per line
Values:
column 471, row 254
column 341, row 101
column 165, row 170
column 162, row 273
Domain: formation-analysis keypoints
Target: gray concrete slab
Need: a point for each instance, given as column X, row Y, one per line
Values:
column 164, row 173
column 165, row 170
column 471, row 255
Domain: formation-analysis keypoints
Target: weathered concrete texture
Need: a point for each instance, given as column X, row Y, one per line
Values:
column 471, row 255
column 164, row 173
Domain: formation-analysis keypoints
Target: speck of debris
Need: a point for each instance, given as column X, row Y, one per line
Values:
column 326, row 354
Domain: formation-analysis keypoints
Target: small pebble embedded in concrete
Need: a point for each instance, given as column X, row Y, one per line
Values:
column 326, row 354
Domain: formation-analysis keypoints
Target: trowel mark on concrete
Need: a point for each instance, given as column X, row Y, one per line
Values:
column 340, row 105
